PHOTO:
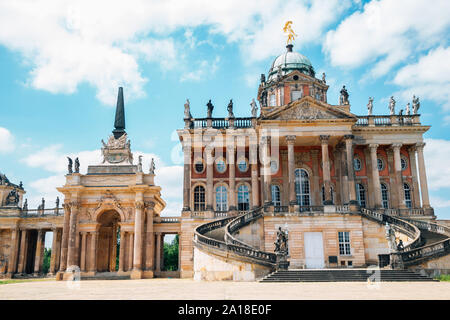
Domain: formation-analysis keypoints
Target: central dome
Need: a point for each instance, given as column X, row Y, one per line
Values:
column 290, row 61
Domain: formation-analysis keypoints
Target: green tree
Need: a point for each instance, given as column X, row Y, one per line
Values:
column 171, row 255
column 47, row 257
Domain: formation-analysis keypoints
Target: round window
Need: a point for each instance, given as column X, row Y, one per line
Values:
column 242, row 165
column 357, row 164
column 199, row 166
column 404, row 163
column 380, row 164
column 273, row 166
column 221, row 166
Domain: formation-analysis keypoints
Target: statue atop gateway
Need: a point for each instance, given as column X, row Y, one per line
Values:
column 118, row 150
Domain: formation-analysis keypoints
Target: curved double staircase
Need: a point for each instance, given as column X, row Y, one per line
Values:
column 429, row 240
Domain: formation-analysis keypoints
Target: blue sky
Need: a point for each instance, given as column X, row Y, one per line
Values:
column 61, row 63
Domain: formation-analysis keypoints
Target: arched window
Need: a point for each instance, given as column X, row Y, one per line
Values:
column 361, row 195
column 276, row 195
column 272, row 100
column 407, row 191
column 323, row 194
column 384, row 196
column 221, row 198
column 302, row 187
column 243, row 198
column 199, row 198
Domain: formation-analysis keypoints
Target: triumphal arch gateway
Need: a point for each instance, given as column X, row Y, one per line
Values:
column 301, row 184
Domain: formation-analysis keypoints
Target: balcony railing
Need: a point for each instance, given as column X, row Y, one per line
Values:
column 389, row 120
column 222, row 123
column 42, row 212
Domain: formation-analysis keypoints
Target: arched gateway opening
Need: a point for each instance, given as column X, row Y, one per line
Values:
column 108, row 241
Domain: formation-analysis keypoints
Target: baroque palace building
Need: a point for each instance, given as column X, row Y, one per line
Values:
column 304, row 185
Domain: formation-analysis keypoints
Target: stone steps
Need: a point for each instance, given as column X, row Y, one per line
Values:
column 106, row 276
column 344, row 275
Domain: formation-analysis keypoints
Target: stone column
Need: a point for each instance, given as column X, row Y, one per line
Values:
column 65, row 238
column 83, row 252
column 415, row 182
column 345, row 198
column 149, row 238
column 123, row 235
column 158, row 252
column 350, row 170
column 266, row 170
column 39, row 248
column 138, row 240
column 231, row 151
column 187, row 177
column 71, row 251
column 162, row 251
column 315, row 185
column 375, row 176
column 130, row 250
column 13, row 253
column 254, row 167
column 93, row 253
column 209, row 178
column 23, row 251
column 398, row 175
column 326, row 169
column 54, row 255
column 422, row 175
column 290, row 140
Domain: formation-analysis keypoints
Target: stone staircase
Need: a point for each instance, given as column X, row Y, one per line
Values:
column 106, row 276
column 344, row 275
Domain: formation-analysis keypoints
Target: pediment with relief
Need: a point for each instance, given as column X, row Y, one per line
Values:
column 307, row 110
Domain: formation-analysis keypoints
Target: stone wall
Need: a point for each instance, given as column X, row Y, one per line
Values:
column 252, row 234
column 375, row 242
column 5, row 245
column 211, row 267
column 329, row 225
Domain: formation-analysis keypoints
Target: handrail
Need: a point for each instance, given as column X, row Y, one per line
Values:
column 42, row 212
column 413, row 253
column 238, row 247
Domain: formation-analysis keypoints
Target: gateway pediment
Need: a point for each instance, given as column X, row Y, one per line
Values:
column 308, row 109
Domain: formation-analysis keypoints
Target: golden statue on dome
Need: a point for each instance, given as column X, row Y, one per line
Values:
column 291, row 34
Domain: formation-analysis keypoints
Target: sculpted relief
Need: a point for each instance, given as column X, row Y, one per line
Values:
column 305, row 112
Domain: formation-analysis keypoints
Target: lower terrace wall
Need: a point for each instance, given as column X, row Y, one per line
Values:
column 375, row 241
column 329, row 225
column 211, row 267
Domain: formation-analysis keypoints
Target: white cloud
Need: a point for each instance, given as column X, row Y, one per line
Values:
column 428, row 78
column 436, row 154
column 101, row 43
column 438, row 202
column 387, row 32
column 204, row 70
column 6, row 141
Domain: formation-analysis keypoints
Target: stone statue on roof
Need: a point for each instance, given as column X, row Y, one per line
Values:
column 210, row 107
column 370, row 106
column 343, row 100
column 69, row 166
column 408, row 109
column 324, row 78
column 139, row 169
column 187, row 110
column 254, row 108
column 230, row 109
column 77, row 165
column 415, row 104
column 152, row 166
column 392, row 105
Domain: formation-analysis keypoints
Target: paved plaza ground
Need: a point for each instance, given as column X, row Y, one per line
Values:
column 182, row 289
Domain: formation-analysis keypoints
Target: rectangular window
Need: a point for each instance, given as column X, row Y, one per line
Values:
column 344, row 243
column 296, row 94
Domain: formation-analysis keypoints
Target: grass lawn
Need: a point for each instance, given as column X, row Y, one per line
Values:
column 443, row 277
column 8, row 281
